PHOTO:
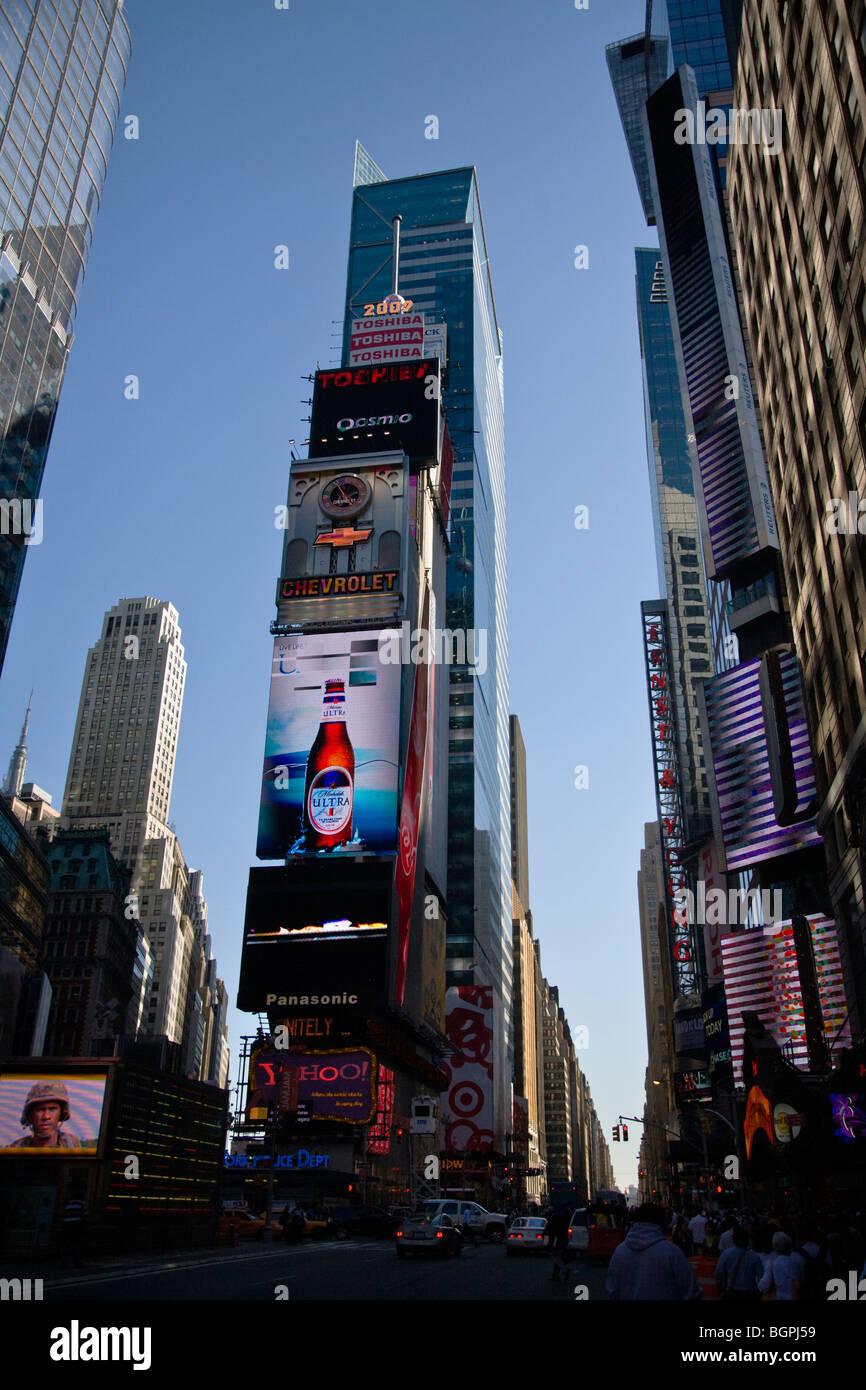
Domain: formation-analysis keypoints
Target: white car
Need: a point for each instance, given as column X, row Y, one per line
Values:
column 578, row 1232
column 527, row 1235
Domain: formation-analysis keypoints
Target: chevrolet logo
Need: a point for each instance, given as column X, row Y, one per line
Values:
column 343, row 535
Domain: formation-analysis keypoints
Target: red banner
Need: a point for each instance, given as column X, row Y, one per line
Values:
column 410, row 808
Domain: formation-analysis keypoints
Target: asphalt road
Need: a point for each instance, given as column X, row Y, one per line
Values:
column 354, row 1270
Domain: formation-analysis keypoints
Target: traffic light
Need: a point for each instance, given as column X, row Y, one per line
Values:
column 625, row 1133
column 616, row 1134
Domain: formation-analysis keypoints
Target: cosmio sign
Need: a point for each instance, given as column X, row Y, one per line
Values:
column 358, row 410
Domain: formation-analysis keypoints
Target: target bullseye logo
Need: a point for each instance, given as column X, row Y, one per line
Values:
column 466, row 1098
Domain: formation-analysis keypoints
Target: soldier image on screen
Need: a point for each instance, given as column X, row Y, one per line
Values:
column 329, row 788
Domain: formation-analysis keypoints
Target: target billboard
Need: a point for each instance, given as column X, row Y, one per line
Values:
column 467, row 1101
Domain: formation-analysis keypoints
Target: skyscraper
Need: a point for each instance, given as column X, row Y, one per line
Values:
column 519, row 818
column 120, row 776
column 677, row 533
column 798, row 223
column 444, row 270
column 62, row 71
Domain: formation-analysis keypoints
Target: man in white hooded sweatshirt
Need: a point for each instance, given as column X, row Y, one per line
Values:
column 647, row 1266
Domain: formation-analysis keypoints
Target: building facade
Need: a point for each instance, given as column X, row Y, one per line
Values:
column 800, row 238
column 120, row 775
column 444, row 270
column 62, row 72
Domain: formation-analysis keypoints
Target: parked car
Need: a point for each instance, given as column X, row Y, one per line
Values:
column 527, row 1236
column 490, row 1224
column 434, row 1233
column 241, row 1220
column 360, row 1221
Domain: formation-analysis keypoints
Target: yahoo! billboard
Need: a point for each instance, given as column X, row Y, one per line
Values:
column 332, row 1085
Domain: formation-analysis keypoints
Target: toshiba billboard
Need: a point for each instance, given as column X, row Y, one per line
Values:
column 391, row 406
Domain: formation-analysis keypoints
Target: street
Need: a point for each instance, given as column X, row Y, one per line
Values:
column 361, row 1270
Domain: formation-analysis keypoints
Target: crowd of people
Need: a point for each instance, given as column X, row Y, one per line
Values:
column 759, row 1255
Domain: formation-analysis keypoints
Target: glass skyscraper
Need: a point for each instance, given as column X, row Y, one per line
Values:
column 62, row 70
column 677, row 531
column 444, row 270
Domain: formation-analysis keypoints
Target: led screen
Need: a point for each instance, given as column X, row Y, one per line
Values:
column 330, row 777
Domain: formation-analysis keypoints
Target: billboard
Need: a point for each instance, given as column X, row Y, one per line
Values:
column 332, row 1085
column 742, row 783
column 364, row 409
column 467, row 1101
column 51, row 1112
column 331, row 766
column 395, row 339
column 761, row 976
column 316, row 940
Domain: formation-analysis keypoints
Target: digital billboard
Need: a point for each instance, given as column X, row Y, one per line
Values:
column 329, row 785
column 362, row 409
column 742, row 784
column 51, row 1113
column 332, row 1085
column 316, row 940
column 762, row 977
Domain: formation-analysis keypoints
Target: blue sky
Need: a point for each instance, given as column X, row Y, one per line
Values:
column 248, row 117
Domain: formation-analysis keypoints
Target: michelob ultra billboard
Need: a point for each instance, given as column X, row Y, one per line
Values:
column 331, row 752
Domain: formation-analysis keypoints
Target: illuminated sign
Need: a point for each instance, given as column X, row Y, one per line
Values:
column 761, row 976
column 292, row 973
column 302, row 1159
column 333, row 1085
column 742, row 781
column 307, row 773
column 691, row 1085
column 849, row 1116
column 51, row 1114
column 321, row 586
column 758, row 1117
column 379, row 1133
column 359, row 410
column 391, row 304
column 668, row 795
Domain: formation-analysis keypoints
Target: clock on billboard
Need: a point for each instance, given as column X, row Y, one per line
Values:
column 345, row 496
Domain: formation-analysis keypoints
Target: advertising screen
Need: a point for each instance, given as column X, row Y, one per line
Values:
column 332, row 1085
column 467, row 1102
column 743, row 782
column 316, row 940
column 58, row 1113
column 329, row 785
column 362, row 409
column 761, row 976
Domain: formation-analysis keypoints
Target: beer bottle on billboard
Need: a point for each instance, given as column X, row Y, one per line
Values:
column 329, row 789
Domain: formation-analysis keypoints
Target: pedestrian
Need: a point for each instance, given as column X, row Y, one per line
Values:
column 698, row 1231
column 557, row 1243
column 739, row 1270
column 646, row 1266
column 817, row 1267
column 73, row 1228
column 785, row 1271
column 469, row 1227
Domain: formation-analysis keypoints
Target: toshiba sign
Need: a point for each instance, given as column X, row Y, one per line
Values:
column 390, row 406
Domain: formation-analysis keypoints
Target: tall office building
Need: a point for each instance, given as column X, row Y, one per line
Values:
column 677, row 534
column 120, row 776
column 798, row 221
column 444, row 270
column 123, row 750
column 62, row 72
column 519, row 813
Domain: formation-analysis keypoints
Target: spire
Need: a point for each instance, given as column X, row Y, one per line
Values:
column 18, row 761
